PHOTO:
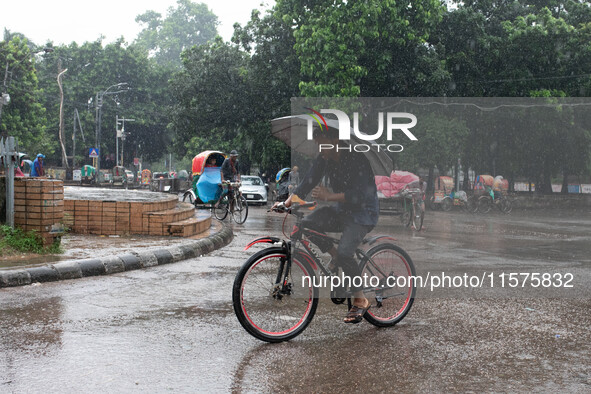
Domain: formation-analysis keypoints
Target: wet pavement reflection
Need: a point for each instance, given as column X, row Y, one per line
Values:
column 172, row 327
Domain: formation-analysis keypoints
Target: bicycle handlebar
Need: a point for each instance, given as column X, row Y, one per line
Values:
column 281, row 208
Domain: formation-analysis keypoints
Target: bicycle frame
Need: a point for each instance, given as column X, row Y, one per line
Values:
column 307, row 253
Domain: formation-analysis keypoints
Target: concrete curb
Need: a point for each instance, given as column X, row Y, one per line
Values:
column 73, row 269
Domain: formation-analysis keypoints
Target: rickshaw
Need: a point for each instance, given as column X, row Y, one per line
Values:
column 208, row 192
column 492, row 191
column 119, row 175
column 146, row 177
column 445, row 197
column 282, row 184
column 401, row 194
column 87, row 174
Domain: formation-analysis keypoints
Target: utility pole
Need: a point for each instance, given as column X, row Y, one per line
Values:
column 120, row 133
column 61, row 130
column 76, row 116
column 99, row 106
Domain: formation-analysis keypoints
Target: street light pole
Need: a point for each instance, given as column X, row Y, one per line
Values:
column 61, row 126
column 99, row 111
column 120, row 134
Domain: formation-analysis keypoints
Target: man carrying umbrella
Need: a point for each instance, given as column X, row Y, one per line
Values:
column 355, row 212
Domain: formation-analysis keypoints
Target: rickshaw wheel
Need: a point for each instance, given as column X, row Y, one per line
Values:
column 221, row 211
column 188, row 197
column 432, row 205
column 406, row 217
column 484, row 204
column 418, row 216
column 505, row 206
column 446, row 204
column 472, row 204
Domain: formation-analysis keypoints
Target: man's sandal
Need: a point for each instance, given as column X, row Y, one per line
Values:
column 355, row 314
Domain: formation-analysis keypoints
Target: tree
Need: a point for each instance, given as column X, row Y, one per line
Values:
column 272, row 77
column 91, row 69
column 186, row 25
column 211, row 98
column 24, row 116
column 377, row 48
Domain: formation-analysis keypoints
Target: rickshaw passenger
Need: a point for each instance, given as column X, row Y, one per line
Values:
column 211, row 162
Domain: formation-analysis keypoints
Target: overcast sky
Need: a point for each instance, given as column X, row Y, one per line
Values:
column 74, row 20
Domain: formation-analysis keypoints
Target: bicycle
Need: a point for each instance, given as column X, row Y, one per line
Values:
column 414, row 213
column 232, row 202
column 274, row 303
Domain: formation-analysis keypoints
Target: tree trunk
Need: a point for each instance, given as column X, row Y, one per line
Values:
column 431, row 180
column 466, row 180
column 564, row 182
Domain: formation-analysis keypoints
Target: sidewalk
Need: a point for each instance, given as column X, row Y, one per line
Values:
column 90, row 255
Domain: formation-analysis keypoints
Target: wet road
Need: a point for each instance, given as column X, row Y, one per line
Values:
column 172, row 328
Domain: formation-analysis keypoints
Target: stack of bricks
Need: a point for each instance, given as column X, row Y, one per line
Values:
column 39, row 206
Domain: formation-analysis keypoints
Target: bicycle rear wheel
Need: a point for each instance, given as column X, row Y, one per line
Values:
column 267, row 308
column 392, row 292
column 240, row 212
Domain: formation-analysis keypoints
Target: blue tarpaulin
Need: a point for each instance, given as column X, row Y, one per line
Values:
column 208, row 185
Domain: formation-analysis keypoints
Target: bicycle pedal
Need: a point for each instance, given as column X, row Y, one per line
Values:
column 338, row 301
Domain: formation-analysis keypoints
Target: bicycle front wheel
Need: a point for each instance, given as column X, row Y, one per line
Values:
column 240, row 212
column 269, row 305
column 392, row 291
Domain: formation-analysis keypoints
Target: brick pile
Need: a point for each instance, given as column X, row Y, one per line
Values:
column 39, row 206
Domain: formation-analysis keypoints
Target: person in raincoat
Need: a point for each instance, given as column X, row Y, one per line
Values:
column 37, row 169
column 354, row 212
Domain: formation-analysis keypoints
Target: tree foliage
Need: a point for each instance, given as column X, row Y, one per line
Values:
column 190, row 92
column 24, row 116
column 186, row 25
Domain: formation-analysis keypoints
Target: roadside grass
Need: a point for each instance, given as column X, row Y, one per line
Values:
column 13, row 241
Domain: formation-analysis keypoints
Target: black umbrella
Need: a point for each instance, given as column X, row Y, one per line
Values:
column 293, row 131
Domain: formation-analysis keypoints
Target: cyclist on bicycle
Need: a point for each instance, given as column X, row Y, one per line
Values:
column 229, row 172
column 354, row 215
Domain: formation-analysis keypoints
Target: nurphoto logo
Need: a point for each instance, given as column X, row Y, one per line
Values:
column 393, row 123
